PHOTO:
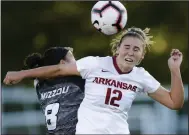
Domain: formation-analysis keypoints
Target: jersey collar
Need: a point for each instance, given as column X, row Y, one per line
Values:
column 117, row 68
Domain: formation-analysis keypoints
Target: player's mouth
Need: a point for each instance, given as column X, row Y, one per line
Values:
column 128, row 60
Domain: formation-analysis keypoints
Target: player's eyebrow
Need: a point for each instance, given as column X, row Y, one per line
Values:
column 127, row 45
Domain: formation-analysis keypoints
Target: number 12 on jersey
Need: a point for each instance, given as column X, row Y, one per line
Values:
column 110, row 100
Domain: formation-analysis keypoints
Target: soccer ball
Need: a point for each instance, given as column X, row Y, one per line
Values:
column 109, row 17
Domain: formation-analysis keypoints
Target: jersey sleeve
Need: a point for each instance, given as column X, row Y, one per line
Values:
column 150, row 83
column 86, row 65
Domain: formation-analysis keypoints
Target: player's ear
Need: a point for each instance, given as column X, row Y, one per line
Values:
column 140, row 60
column 142, row 57
column 143, row 54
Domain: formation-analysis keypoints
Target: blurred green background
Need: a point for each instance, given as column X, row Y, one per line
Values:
column 35, row 26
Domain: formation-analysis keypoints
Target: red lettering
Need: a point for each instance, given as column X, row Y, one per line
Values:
column 124, row 86
column 130, row 87
column 113, row 83
column 96, row 80
column 108, row 82
column 119, row 84
column 119, row 96
column 108, row 94
column 134, row 88
column 114, row 98
column 102, row 81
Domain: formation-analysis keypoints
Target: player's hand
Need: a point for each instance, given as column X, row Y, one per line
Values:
column 175, row 60
column 13, row 77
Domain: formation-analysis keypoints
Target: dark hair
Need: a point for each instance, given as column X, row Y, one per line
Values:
column 51, row 56
column 33, row 60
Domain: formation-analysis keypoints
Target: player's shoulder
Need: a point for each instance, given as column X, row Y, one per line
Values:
column 105, row 61
column 140, row 70
column 89, row 58
column 97, row 59
column 105, row 58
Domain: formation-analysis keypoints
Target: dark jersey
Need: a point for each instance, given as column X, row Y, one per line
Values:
column 60, row 99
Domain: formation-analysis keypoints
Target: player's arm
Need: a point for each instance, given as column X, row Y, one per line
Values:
column 173, row 99
column 51, row 71
column 81, row 68
column 42, row 72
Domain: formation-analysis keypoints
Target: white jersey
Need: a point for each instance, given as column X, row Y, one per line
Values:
column 109, row 95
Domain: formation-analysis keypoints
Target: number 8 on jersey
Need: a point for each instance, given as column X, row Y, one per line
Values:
column 50, row 113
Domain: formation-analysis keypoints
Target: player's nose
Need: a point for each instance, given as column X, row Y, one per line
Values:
column 130, row 52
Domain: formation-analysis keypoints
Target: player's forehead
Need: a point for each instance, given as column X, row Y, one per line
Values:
column 132, row 41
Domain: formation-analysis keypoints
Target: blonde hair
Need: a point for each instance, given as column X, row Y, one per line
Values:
column 133, row 32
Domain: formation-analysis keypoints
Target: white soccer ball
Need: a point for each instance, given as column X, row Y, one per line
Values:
column 109, row 17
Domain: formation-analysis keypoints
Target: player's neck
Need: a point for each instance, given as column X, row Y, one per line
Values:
column 123, row 68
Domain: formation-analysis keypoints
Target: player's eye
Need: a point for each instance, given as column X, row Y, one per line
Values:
column 136, row 50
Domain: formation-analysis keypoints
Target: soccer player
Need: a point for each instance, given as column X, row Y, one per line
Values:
column 59, row 97
column 112, row 83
